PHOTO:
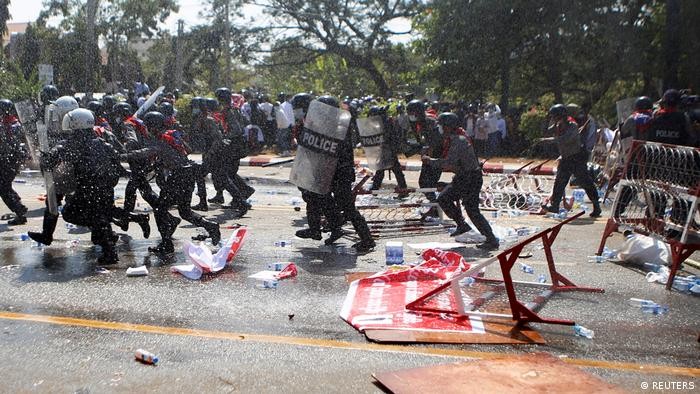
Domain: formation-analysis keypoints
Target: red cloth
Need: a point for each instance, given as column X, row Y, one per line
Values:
column 172, row 139
column 447, row 141
column 138, row 125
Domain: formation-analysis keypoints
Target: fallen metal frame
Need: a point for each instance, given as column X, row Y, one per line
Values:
column 522, row 313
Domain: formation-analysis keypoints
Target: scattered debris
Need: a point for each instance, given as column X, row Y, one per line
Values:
column 146, row 357
column 137, row 271
column 202, row 259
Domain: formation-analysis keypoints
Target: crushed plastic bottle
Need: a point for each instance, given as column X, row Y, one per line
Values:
column 283, row 243
column 655, row 309
column 23, row 237
column 682, row 284
column 597, row 259
column 467, row 282
column 582, row 331
column 526, row 268
column 542, row 278
column 146, row 357
column 660, row 277
column 638, row 302
column 268, row 284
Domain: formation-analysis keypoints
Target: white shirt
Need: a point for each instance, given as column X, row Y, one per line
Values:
column 288, row 111
column 501, row 125
column 267, row 109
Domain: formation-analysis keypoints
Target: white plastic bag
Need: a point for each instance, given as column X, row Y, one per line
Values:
column 642, row 249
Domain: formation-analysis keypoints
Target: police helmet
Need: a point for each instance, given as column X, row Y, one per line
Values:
column 330, row 100
column 95, row 107
column 78, row 119
column 415, row 107
column 671, row 98
column 376, row 110
column 448, row 119
column 108, row 102
column 166, row 108
column 643, row 103
column 211, row 104
column 48, row 93
column 65, row 104
column 694, row 115
column 557, row 111
column 122, row 109
column 154, row 121
column 197, row 102
column 301, row 101
column 6, row 106
column 223, row 95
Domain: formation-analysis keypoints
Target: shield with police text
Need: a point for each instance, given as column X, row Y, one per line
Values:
column 325, row 128
column 373, row 143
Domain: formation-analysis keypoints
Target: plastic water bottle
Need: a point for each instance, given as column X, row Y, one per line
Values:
column 268, row 284
column 283, row 243
column 276, row 266
column 467, row 282
column 655, row 309
column 638, row 302
column 23, row 237
column 526, row 268
column 394, row 252
column 582, row 331
column 682, row 284
column 146, row 357
column 542, row 278
column 596, row 259
column 609, row 253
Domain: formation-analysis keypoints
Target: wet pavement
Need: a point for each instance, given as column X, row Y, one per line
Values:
column 223, row 334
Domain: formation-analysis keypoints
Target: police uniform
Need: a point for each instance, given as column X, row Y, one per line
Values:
column 12, row 155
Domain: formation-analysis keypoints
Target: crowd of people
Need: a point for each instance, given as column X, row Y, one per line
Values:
column 87, row 144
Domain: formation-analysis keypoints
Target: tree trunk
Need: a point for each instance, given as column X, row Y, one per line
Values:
column 505, row 81
column 90, row 43
column 672, row 49
column 377, row 77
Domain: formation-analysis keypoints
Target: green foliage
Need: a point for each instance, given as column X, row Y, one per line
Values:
column 184, row 112
column 533, row 123
column 14, row 85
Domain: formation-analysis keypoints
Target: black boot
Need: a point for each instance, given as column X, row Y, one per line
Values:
column 461, row 229
column 19, row 219
column 489, row 244
column 109, row 256
column 165, row 247
column 365, row 245
column 218, row 198
column 202, row 206
column 48, row 227
column 309, row 233
column 596, row 210
column 214, row 232
column 144, row 222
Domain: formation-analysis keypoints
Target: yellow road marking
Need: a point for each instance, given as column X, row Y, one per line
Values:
column 327, row 343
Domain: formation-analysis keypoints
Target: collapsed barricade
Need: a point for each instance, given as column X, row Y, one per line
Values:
column 658, row 196
column 444, row 296
column 404, row 211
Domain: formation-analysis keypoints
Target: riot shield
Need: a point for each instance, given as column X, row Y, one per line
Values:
column 43, row 137
column 149, row 103
column 325, row 128
column 377, row 152
column 624, row 109
column 27, row 115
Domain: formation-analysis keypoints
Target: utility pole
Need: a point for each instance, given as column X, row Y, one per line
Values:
column 227, row 44
column 89, row 43
column 179, row 61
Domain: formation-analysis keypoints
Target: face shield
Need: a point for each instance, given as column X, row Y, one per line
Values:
column 299, row 114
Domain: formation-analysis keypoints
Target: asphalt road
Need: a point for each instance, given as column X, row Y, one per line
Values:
column 67, row 328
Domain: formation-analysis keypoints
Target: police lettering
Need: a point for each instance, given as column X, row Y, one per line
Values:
column 317, row 142
column 373, row 140
column 668, row 134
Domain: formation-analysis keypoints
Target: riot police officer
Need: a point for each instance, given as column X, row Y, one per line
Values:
column 96, row 170
column 459, row 157
column 12, row 155
column 426, row 131
column 574, row 160
column 175, row 176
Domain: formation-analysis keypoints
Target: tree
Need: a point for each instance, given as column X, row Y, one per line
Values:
column 4, row 16
column 356, row 31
